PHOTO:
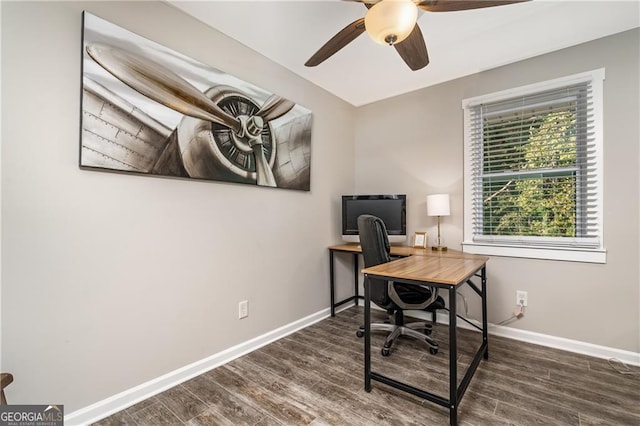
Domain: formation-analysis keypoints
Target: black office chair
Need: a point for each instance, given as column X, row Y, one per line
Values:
column 394, row 297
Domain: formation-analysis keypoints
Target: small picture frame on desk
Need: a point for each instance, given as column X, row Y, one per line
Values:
column 420, row 240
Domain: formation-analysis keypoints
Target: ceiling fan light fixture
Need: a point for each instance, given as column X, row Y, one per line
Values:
column 391, row 21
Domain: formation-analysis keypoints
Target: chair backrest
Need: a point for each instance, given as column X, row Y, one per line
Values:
column 375, row 250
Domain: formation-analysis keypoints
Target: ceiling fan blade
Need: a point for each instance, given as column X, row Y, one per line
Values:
column 413, row 50
column 337, row 42
column 455, row 5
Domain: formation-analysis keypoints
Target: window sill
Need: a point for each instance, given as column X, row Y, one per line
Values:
column 571, row 255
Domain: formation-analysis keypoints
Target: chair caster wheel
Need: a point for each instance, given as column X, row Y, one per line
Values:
column 385, row 352
column 428, row 331
column 433, row 351
column 359, row 333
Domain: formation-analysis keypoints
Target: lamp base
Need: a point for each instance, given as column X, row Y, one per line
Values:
column 439, row 248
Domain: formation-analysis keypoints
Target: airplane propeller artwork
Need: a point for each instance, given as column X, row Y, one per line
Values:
column 164, row 86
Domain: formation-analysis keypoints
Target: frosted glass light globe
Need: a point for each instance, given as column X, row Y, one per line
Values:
column 391, row 21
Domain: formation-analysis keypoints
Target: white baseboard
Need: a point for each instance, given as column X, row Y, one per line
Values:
column 576, row 346
column 118, row 402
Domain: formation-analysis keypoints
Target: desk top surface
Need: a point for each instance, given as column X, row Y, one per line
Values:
column 410, row 251
column 450, row 267
column 432, row 269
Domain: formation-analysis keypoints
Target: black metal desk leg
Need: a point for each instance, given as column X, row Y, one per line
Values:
column 355, row 276
column 453, row 359
column 367, row 336
column 485, row 338
column 332, row 284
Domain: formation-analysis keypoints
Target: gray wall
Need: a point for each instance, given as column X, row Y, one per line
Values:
column 111, row 280
column 414, row 144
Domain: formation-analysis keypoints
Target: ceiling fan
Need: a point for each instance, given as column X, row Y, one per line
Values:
column 393, row 22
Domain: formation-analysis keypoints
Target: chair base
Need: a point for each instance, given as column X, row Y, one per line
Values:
column 409, row 330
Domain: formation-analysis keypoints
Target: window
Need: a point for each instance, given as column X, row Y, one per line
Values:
column 533, row 162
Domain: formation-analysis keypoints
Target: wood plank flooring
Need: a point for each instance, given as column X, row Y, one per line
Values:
column 315, row 377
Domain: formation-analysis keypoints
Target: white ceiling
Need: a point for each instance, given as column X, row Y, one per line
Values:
column 459, row 43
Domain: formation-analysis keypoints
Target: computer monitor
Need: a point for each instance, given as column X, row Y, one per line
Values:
column 390, row 208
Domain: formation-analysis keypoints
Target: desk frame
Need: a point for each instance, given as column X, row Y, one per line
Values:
column 356, row 297
column 455, row 392
column 354, row 249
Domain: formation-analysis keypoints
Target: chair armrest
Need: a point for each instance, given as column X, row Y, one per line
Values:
column 5, row 379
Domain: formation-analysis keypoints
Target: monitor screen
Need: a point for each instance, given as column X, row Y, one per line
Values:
column 390, row 208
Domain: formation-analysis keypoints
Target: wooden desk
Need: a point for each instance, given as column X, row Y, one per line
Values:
column 396, row 251
column 449, row 270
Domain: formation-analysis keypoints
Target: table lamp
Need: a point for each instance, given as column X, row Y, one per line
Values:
column 438, row 205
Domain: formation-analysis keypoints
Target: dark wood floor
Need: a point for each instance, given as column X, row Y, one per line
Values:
column 314, row 376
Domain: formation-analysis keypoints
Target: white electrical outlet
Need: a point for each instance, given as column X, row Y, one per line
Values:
column 521, row 298
column 243, row 309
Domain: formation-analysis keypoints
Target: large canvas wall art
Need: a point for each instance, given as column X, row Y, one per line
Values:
column 151, row 110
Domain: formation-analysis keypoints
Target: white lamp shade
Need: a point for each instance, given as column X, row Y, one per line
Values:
column 391, row 21
column 438, row 205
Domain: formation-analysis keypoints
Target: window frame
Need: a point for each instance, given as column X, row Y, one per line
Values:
column 535, row 251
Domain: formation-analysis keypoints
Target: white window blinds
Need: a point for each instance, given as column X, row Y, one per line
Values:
column 534, row 165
